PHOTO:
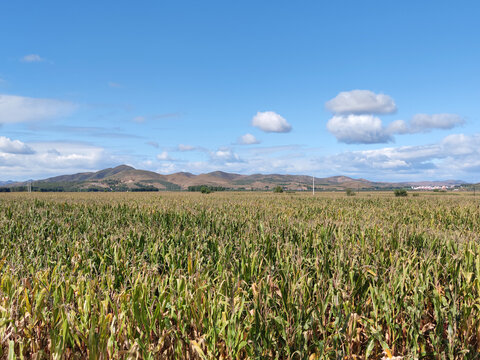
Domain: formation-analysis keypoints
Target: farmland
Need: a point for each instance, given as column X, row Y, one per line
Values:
column 239, row 275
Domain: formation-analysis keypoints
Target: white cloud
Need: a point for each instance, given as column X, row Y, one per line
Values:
column 361, row 102
column 167, row 168
column 16, row 109
column 247, row 139
column 113, row 84
column 62, row 154
column 369, row 129
column 426, row 122
column 224, row 155
column 54, row 158
column 457, row 156
column 354, row 123
column 398, row 127
column 14, row 146
column 32, row 58
column 163, row 156
column 461, row 144
column 454, row 157
column 183, row 147
column 358, row 129
column 270, row 121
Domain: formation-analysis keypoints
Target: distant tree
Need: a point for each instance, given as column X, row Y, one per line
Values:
column 400, row 192
column 350, row 192
column 278, row 189
column 205, row 190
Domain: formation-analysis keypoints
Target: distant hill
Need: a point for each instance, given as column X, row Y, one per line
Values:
column 99, row 175
column 8, row 182
column 127, row 178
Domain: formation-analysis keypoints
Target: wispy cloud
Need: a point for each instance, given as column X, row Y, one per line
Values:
column 455, row 156
column 139, row 119
column 163, row 156
column 95, row 131
column 31, row 58
column 426, row 123
column 113, row 84
column 153, row 144
column 173, row 115
column 17, row 109
column 265, row 150
column 247, row 139
column 185, row 147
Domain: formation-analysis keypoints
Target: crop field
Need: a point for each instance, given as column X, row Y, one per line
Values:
column 239, row 276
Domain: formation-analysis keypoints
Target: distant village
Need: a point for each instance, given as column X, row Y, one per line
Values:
column 436, row 187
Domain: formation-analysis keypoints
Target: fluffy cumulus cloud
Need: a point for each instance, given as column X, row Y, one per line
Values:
column 17, row 109
column 9, row 146
column 270, row 121
column 224, row 155
column 361, row 102
column 248, row 139
column 358, row 129
column 32, row 58
column 354, row 120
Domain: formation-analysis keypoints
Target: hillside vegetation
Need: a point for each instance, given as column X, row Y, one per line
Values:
column 239, row 275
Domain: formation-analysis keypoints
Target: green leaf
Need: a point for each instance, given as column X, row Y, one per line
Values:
column 11, row 350
column 370, row 347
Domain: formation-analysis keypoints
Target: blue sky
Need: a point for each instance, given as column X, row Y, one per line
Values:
column 385, row 90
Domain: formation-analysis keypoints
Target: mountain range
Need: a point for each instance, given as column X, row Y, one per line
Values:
column 127, row 178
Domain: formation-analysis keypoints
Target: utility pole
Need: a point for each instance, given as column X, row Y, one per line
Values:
column 313, row 185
